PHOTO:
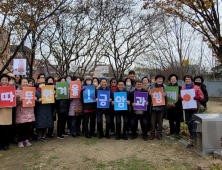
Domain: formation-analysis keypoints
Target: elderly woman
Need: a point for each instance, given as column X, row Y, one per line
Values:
column 199, row 96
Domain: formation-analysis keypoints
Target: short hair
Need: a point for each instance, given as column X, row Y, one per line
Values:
column 127, row 79
column 138, row 81
column 187, row 76
column 81, row 79
column 173, row 75
column 69, row 76
column 30, row 79
column 112, row 80
column 121, row 81
column 49, row 77
column 160, row 76
column 40, row 74
column 76, row 77
column 60, row 79
column 131, row 72
column 103, row 79
column 23, row 78
column 18, row 75
column 4, row 75
column 145, row 77
column 96, row 79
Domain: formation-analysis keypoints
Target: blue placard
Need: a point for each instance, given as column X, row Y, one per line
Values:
column 120, row 99
column 103, row 99
column 88, row 94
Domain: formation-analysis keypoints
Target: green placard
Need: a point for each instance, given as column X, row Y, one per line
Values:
column 172, row 93
column 62, row 90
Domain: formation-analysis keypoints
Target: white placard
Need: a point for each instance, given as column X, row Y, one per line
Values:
column 19, row 66
column 188, row 101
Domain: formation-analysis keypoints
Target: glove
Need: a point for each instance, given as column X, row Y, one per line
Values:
column 180, row 98
column 83, row 88
column 196, row 98
column 94, row 97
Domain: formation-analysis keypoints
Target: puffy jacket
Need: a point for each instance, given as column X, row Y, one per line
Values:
column 62, row 105
column 198, row 92
column 206, row 98
column 73, row 105
column 23, row 114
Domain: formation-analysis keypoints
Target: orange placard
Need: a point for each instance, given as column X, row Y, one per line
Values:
column 48, row 94
column 157, row 97
column 75, row 89
column 28, row 96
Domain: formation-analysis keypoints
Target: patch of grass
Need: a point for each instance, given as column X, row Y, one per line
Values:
column 177, row 166
column 100, row 165
column 91, row 141
column 53, row 157
column 35, row 155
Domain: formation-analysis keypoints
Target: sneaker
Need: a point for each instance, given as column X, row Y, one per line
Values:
column 20, row 144
column 145, row 138
column 68, row 132
column 65, row 134
column 159, row 136
column 152, row 136
column 39, row 140
column 112, row 133
column 60, row 137
column 27, row 143
column 44, row 139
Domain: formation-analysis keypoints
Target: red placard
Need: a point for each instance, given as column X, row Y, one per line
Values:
column 28, row 96
column 75, row 89
column 7, row 96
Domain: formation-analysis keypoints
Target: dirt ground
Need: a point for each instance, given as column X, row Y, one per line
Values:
column 81, row 153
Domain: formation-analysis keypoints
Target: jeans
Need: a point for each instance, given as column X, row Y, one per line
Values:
column 118, row 122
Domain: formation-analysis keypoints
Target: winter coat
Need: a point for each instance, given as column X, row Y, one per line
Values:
column 88, row 106
column 6, row 116
column 23, row 114
column 198, row 92
column 204, row 90
column 98, row 110
column 131, row 89
column 62, row 106
column 43, row 113
column 158, row 108
column 73, row 105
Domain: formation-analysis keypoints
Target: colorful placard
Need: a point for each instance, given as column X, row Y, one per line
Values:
column 88, row 94
column 7, row 96
column 172, row 93
column 28, row 96
column 157, row 97
column 19, row 66
column 120, row 101
column 62, row 90
column 103, row 99
column 188, row 101
column 75, row 89
column 48, row 94
column 140, row 99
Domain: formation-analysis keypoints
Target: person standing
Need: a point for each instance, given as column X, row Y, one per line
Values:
column 131, row 75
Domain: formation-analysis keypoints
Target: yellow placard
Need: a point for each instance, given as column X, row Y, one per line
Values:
column 48, row 94
column 185, row 62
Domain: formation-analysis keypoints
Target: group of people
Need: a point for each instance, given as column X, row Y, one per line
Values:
column 74, row 117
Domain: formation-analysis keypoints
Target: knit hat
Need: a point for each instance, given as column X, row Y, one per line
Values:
column 41, row 80
column 87, row 78
column 195, row 77
column 11, row 75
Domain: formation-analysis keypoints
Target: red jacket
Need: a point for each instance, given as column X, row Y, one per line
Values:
column 198, row 92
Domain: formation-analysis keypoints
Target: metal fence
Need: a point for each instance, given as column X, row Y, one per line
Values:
column 214, row 88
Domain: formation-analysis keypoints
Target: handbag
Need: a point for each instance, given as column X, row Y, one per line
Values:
column 78, row 112
column 170, row 105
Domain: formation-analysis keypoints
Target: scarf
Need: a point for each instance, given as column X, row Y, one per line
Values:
column 128, row 88
column 113, row 88
column 176, row 84
column 158, row 85
column 39, row 89
column 146, row 87
column 188, row 86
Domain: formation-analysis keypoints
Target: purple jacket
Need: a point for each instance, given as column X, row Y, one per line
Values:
column 73, row 104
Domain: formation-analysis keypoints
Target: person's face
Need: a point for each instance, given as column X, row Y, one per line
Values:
column 11, row 81
column 4, row 81
column 145, row 81
column 113, row 82
column 78, row 79
column 95, row 82
column 69, row 78
column 128, row 80
column 63, row 80
column 153, row 80
column 50, row 81
column 31, row 84
column 188, row 80
column 198, row 80
column 120, row 86
column 138, row 86
column 131, row 76
column 24, row 83
column 42, row 76
column 103, row 83
column 17, row 78
column 173, row 80
column 159, row 80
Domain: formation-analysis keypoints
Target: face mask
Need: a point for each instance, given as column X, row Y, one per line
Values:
column 95, row 84
column 11, row 82
column 68, row 80
column 197, row 83
column 50, row 84
column 40, row 86
column 88, row 82
column 128, row 83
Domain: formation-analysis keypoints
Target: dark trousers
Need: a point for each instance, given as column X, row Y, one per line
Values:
column 61, row 123
column 4, row 136
column 23, row 131
column 112, row 117
column 118, row 122
column 68, row 120
column 99, row 114
column 92, row 117
column 143, row 123
column 189, row 121
column 79, row 122
column 156, row 117
column 174, row 120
